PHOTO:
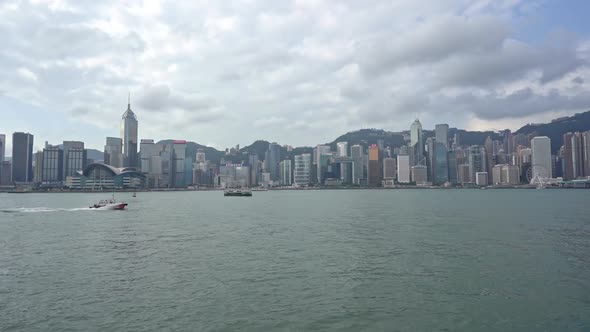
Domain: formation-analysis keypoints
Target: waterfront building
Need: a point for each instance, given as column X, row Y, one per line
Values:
column 481, row 178
column 2, row 151
column 358, row 156
column 265, row 179
column 286, row 172
column 389, row 169
column 22, row 157
column 374, row 168
column 273, row 155
column 179, row 156
column 577, row 155
column 100, row 176
column 5, row 173
column 541, row 159
column 568, row 164
column 489, row 153
column 254, row 167
column 403, row 168
column 420, row 174
column 477, row 161
column 113, row 151
column 452, row 166
column 37, row 166
column 586, row 153
column 463, row 174
column 302, row 170
column 74, row 158
column 52, row 165
column 417, row 144
column 431, row 158
column 441, row 134
column 129, row 129
column 322, row 166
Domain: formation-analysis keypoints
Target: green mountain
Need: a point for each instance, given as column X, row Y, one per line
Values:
column 556, row 128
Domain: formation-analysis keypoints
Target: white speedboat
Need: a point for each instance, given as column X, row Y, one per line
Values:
column 109, row 204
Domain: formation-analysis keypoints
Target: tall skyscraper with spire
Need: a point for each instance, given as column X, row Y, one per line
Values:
column 129, row 136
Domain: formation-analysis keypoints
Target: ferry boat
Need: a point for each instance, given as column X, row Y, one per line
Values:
column 109, row 204
column 243, row 192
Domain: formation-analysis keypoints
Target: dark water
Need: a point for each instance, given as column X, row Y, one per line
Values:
column 372, row 260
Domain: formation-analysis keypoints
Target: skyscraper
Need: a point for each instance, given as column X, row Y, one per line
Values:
column 342, row 149
column 285, row 172
column 541, row 147
column 113, row 152
column 389, row 169
column 441, row 132
column 403, row 168
column 416, row 143
column 577, row 155
column 129, row 127
column 586, row 139
column 302, row 170
column 358, row 171
column 2, row 151
column 477, row 161
column 22, row 157
column 374, row 169
column 52, row 170
column 568, row 163
column 273, row 157
column 74, row 158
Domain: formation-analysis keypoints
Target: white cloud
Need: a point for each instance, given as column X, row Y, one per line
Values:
column 299, row 72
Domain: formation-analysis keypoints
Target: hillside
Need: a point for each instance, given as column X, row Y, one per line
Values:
column 556, row 128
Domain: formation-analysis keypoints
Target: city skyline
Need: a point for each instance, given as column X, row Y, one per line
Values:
column 296, row 72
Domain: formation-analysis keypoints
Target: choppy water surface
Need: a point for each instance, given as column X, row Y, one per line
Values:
column 406, row 260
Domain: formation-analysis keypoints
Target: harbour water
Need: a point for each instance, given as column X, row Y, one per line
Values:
column 346, row 260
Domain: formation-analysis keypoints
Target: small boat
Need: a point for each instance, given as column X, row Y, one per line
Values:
column 134, row 194
column 109, row 204
column 241, row 192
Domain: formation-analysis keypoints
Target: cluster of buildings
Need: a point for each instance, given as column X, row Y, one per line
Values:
column 423, row 160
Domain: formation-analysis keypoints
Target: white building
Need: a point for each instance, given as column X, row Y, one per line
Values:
column 541, row 159
column 420, row 174
column 342, row 149
column 403, row 168
column 285, row 172
column 301, row 172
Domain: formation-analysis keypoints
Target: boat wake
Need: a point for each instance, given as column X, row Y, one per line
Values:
column 45, row 209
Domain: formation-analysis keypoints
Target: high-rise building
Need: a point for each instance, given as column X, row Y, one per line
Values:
column 403, row 168
column 74, row 158
column 441, row 132
column 200, row 156
column 342, row 149
column 489, row 152
column 477, row 161
column 147, row 149
column 2, row 147
column 452, row 166
column 568, row 163
column 374, row 168
column 586, row 142
column 254, row 168
column 481, row 178
column 419, row 174
column 541, row 161
column 52, row 169
column 113, row 152
column 441, row 174
column 577, row 155
column 272, row 160
column 37, row 166
column 416, row 143
column 463, row 174
column 179, row 156
column 5, row 173
column 286, row 171
column 302, row 170
column 389, row 169
column 129, row 129
column 22, row 157
column 431, row 158
column 358, row 172
column 2, row 151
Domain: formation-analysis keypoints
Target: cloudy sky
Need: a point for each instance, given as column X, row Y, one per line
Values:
column 298, row 72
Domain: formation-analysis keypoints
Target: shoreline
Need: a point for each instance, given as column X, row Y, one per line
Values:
column 281, row 189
